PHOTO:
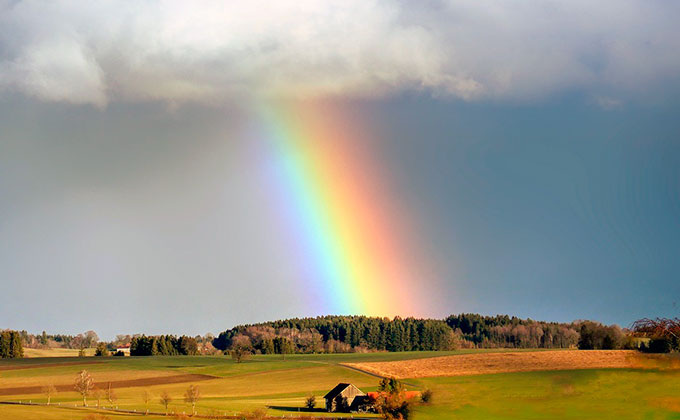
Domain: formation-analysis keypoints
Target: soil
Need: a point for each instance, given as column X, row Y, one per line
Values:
column 161, row 380
column 44, row 365
column 487, row 363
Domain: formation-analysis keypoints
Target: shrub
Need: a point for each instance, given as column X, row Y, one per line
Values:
column 102, row 350
column 426, row 396
column 659, row 345
column 96, row 417
column 259, row 414
column 310, row 402
column 392, row 402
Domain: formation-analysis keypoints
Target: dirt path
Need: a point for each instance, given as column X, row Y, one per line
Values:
column 160, row 380
column 485, row 363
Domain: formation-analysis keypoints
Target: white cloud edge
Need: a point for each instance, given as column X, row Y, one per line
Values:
column 210, row 51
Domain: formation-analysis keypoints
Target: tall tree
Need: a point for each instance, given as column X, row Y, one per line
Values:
column 110, row 394
column 283, row 346
column 146, row 397
column 84, row 385
column 191, row 396
column 97, row 395
column 165, row 400
column 49, row 390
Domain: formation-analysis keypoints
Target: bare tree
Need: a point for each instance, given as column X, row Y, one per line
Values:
column 166, row 399
column 84, row 385
column 657, row 328
column 239, row 353
column 146, row 397
column 191, row 396
column 49, row 390
column 241, row 348
column 90, row 339
column 97, row 394
column 111, row 395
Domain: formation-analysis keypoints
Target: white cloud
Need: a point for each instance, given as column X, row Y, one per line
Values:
column 214, row 51
column 57, row 70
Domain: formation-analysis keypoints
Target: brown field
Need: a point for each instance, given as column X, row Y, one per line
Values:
column 486, row 363
column 65, row 378
column 58, row 352
column 44, row 365
column 128, row 383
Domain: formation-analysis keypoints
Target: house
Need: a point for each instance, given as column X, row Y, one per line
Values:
column 344, row 397
column 125, row 349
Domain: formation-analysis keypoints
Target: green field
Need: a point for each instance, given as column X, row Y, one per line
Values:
column 268, row 381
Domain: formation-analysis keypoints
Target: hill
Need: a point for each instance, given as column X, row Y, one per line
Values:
column 338, row 334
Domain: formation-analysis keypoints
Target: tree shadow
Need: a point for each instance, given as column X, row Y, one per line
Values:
column 296, row 409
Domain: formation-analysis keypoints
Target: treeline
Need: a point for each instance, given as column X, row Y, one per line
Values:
column 593, row 335
column 505, row 331
column 44, row 340
column 338, row 334
column 170, row 345
column 10, row 345
column 163, row 345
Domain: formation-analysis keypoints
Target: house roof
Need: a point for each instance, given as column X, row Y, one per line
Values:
column 335, row 391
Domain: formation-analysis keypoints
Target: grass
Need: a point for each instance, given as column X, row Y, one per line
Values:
column 269, row 381
column 578, row 394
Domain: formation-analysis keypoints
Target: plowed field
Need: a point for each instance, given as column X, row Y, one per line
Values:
column 485, row 363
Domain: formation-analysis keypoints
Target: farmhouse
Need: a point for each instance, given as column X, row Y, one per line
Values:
column 125, row 349
column 344, row 397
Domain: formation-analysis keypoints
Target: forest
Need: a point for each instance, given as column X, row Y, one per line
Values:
column 344, row 334
column 360, row 333
column 163, row 345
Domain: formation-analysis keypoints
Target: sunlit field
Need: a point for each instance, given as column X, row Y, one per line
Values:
column 281, row 386
column 31, row 353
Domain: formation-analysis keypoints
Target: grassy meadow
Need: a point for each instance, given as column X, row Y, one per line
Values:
column 269, row 381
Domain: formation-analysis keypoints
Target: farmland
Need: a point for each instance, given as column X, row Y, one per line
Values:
column 282, row 385
column 485, row 363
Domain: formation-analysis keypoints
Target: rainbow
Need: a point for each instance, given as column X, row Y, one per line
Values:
column 350, row 235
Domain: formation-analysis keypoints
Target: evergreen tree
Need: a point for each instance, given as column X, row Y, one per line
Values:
column 11, row 345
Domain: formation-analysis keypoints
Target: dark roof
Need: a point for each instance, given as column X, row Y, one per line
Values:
column 335, row 391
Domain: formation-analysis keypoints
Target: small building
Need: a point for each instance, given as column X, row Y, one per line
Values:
column 343, row 398
column 125, row 349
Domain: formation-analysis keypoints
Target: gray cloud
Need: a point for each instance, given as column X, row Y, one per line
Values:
column 211, row 52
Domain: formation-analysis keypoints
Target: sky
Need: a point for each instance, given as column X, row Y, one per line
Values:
column 518, row 157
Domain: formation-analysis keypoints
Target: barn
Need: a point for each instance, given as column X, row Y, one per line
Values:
column 342, row 397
